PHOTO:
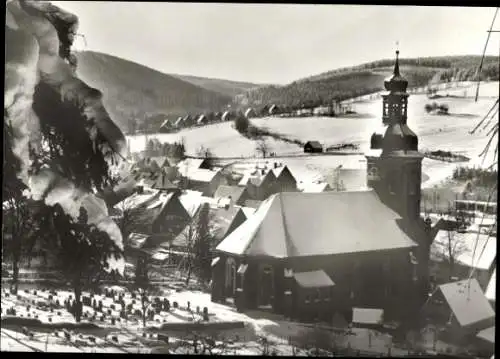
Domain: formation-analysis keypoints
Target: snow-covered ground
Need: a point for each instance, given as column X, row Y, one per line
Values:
column 129, row 337
column 447, row 133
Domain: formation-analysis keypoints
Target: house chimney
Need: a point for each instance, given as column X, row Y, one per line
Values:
column 275, row 164
column 140, row 189
column 263, row 171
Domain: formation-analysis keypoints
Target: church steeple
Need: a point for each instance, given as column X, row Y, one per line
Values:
column 395, row 172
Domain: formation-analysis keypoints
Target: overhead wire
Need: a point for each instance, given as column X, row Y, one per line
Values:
column 484, row 52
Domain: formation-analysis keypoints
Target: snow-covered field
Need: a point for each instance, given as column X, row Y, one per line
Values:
column 435, row 132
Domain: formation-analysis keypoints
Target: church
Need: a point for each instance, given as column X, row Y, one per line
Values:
column 313, row 256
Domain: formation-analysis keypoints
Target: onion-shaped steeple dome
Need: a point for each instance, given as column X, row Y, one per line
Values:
column 396, row 83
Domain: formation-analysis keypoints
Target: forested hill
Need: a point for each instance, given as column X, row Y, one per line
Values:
column 133, row 92
column 358, row 80
column 225, row 87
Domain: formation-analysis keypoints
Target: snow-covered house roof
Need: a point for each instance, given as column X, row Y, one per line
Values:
column 249, row 112
column 315, row 187
column 202, row 175
column 225, row 116
column 191, row 164
column 201, row 119
column 165, row 124
column 178, row 122
column 248, row 211
column 367, row 316
column 161, row 161
column 233, row 192
column 311, row 224
column 467, row 302
column 137, row 199
column 487, row 334
column 467, row 252
column 191, row 200
column 492, row 286
column 313, row 279
column 222, row 222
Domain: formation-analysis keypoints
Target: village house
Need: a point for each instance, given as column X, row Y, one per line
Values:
column 203, row 180
column 124, row 189
column 461, row 312
column 285, row 181
column 461, row 247
column 237, row 195
column 274, row 110
column 202, row 120
column 166, row 126
column 189, row 121
column 222, row 221
column 260, row 184
column 151, row 218
column 313, row 147
column 317, row 254
column 178, row 123
column 322, row 111
column 190, row 164
column 227, row 116
column 250, row 113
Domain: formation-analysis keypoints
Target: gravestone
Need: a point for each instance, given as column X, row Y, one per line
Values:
column 205, row 314
column 176, row 305
column 197, row 309
column 113, row 321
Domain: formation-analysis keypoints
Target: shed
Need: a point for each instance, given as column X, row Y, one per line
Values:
column 313, row 147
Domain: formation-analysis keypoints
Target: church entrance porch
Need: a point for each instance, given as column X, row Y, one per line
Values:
column 266, row 287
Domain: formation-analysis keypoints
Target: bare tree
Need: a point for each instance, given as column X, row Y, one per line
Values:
column 206, row 153
column 262, row 147
column 453, row 247
column 197, row 240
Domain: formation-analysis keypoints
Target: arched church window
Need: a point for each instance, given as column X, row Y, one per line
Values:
column 231, row 275
column 392, row 183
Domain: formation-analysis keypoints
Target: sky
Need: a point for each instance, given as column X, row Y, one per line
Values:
column 275, row 43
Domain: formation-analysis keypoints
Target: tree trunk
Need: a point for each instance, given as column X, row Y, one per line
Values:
column 190, row 269
column 15, row 272
column 144, row 314
column 77, row 286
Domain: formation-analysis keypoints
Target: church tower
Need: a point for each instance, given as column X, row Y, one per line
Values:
column 394, row 164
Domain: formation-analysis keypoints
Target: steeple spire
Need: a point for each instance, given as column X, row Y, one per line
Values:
column 396, row 65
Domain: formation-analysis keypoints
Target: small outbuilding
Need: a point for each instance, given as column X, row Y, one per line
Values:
column 313, row 147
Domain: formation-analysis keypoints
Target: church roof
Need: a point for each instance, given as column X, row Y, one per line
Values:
column 313, row 224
